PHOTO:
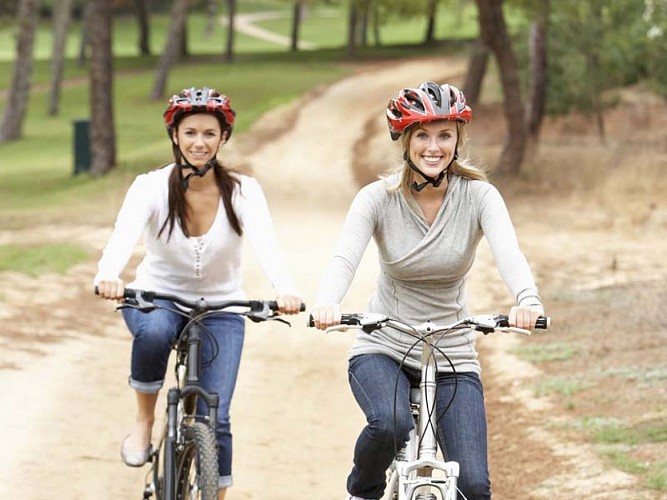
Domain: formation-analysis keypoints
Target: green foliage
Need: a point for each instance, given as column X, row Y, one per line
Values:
column 597, row 45
column 36, row 260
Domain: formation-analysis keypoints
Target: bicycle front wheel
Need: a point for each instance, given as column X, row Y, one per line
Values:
column 197, row 465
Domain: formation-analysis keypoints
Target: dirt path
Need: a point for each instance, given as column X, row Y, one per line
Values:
column 63, row 363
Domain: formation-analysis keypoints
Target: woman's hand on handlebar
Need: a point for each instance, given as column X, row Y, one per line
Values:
column 325, row 316
column 111, row 290
column 289, row 304
column 525, row 316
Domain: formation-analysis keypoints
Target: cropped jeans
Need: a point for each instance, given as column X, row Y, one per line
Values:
column 155, row 332
column 461, row 431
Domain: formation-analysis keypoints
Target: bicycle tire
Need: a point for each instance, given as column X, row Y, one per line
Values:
column 197, row 464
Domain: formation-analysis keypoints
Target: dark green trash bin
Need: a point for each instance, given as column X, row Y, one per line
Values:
column 81, row 146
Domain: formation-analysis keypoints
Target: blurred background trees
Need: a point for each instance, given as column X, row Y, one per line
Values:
column 551, row 57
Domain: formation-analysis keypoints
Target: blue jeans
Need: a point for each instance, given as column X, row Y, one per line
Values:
column 155, row 332
column 461, row 431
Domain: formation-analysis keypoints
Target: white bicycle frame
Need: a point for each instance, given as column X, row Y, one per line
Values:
column 416, row 472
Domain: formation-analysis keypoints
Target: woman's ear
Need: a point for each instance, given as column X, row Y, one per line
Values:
column 224, row 136
column 174, row 136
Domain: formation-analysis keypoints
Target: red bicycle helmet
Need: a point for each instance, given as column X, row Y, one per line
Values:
column 426, row 103
column 204, row 100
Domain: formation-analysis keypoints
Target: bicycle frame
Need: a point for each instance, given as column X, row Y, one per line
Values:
column 187, row 392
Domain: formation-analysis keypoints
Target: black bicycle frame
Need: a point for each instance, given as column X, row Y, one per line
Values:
column 191, row 387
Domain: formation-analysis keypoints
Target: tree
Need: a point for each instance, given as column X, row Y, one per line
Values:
column 431, row 14
column 479, row 58
column 144, row 28
column 538, row 74
column 297, row 14
column 231, row 13
column 19, row 89
column 352, row 28
column 102, row 128
column 172, row 48
column 85, row 31
column 62, row 14
column 493, row 32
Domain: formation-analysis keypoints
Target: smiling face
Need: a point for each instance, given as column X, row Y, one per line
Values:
column 199, row 137
column 432, row 146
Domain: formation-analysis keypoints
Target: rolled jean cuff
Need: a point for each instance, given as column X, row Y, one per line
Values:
column 224, row 482
column 145, row 387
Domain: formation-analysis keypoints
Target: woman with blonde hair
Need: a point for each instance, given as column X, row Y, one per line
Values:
column 427, row 220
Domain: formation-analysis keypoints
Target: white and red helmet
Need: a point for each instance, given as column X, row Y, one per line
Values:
column 204, row 100
column 426, row 103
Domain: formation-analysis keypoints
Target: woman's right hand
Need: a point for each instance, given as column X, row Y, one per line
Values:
column 111, row 290
column 326, row 315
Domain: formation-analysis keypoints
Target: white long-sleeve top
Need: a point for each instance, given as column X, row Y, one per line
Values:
column 423, row 267
column 207, row 266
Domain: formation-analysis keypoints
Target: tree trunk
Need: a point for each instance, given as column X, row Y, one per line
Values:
column 62, row 14
column 231, row 14
column 352, row 30
column 297, row 12
column 431, row 12
column 363, row 26
column 144, row 27
column 594, row 80
column 376, row 24
column 212, row 17
column 537, row 85
column 476, row 71
column 171, row 50
column 102, row 128
column 19, row 89
column 494, row 34
column 85, row 30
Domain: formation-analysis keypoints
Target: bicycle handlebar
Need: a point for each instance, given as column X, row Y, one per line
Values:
column 144, row 300
column 369, row 322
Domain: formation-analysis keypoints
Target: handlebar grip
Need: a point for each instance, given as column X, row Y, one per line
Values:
column 542, row 322
column 345, row 319
column 273, row 305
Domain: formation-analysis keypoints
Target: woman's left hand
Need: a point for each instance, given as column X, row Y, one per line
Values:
column 289, row 304
column 525, row 316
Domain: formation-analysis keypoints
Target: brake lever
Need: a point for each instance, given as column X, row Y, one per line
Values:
column 514, row 329
column 138, row 302
column 264, row 315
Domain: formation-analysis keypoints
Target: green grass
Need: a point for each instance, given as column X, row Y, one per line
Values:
column 556, row 351
column 628, row 447
column 620, row 445
column 563, row 386
column 36, row 171
column 37, row 260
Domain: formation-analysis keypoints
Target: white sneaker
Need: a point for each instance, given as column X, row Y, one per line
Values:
column 350, row 497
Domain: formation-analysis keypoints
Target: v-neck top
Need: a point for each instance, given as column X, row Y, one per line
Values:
column 206, row 266
column 423, row 267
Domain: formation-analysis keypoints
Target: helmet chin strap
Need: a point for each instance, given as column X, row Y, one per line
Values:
column 435, row 181
column 199, row 172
